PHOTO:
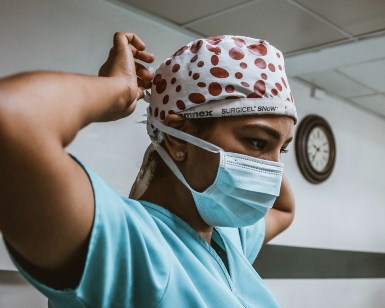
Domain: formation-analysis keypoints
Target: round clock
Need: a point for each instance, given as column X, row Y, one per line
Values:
column 315, row 149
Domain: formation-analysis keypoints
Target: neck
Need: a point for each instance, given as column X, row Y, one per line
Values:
column 167, row 191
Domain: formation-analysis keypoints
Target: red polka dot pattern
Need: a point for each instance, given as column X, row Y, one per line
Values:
column 230, row 88
column 260, row 87
column 258, row 50
column 160, row 84
column 236, row 53
column 220, row 68
column 213, row 49
column 238, row 75
column 214, row 60
column 180, row 104
column 193, row 59
column 180, row 51
column 233, row 97
column 219, row 72
column 176, row 68
column 238, row 42
column 213, row 40
column 260, row 63
column 284, row 82
column 215, row 88
column 197, row 98
column 196, row 46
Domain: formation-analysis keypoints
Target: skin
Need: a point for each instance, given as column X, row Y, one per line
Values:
column 264, row 137
column 46, row 199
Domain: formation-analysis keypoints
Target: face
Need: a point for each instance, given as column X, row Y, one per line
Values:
column 264, row 136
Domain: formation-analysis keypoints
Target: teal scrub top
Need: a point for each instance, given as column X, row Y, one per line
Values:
column 142, row 255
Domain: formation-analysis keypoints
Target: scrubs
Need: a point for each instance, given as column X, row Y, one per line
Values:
column 142, row 255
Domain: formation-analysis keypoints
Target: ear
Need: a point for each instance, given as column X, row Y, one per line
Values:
column 176, row 148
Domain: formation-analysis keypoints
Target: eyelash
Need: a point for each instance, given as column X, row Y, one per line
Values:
column 264, row 142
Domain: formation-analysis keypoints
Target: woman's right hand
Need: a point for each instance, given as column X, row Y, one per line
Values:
column 133, row 76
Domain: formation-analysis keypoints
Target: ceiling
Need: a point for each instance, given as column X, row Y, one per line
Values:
column 352, row 32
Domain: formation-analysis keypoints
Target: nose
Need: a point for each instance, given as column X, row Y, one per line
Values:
column 274, row 156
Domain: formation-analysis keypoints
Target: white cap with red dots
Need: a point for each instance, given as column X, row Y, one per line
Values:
column 216, row 77
column 222, row 76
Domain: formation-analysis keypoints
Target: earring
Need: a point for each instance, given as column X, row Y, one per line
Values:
column 179, row 155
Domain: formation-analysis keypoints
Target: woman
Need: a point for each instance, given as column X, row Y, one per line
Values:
column 220, row 115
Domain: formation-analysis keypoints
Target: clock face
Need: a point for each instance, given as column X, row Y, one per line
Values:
column 315, row 149
column 318, row 149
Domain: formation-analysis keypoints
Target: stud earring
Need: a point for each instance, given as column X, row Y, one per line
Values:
column 179, row 155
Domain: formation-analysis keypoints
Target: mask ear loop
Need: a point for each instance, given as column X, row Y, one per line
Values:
column 170, row 163
column 186, row 137
column 178, row 134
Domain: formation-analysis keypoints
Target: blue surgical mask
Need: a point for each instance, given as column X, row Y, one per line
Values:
column 244, row 189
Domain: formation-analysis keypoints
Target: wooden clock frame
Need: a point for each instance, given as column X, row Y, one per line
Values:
column 303, row 132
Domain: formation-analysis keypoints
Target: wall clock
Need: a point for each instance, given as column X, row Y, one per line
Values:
column 315, row 149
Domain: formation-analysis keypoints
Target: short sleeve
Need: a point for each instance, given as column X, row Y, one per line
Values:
column 125, row 255
column 252, row 238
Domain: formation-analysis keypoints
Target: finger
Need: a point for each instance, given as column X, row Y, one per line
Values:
column 135, row 41
column 142, row 55
column 143, row 73
column 140, row 94
column 121, row 39
column 144, row 84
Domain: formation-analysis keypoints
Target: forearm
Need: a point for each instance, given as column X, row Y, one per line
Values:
column 56, row 105
column 281, row 215
column 285, row 201
column 46, row 198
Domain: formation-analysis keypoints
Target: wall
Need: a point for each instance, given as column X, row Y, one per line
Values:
column 343, row 213
column 346, row 212
column 76, row 36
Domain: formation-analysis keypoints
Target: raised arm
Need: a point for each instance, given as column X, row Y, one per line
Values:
column 281, row 215
column 46, row 199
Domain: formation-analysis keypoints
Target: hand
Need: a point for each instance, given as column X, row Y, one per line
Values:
column 133, row 76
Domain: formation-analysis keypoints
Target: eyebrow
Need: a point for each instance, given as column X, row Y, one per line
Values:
column 267, row 129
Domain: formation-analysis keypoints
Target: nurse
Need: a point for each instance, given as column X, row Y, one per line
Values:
column 210, row 190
